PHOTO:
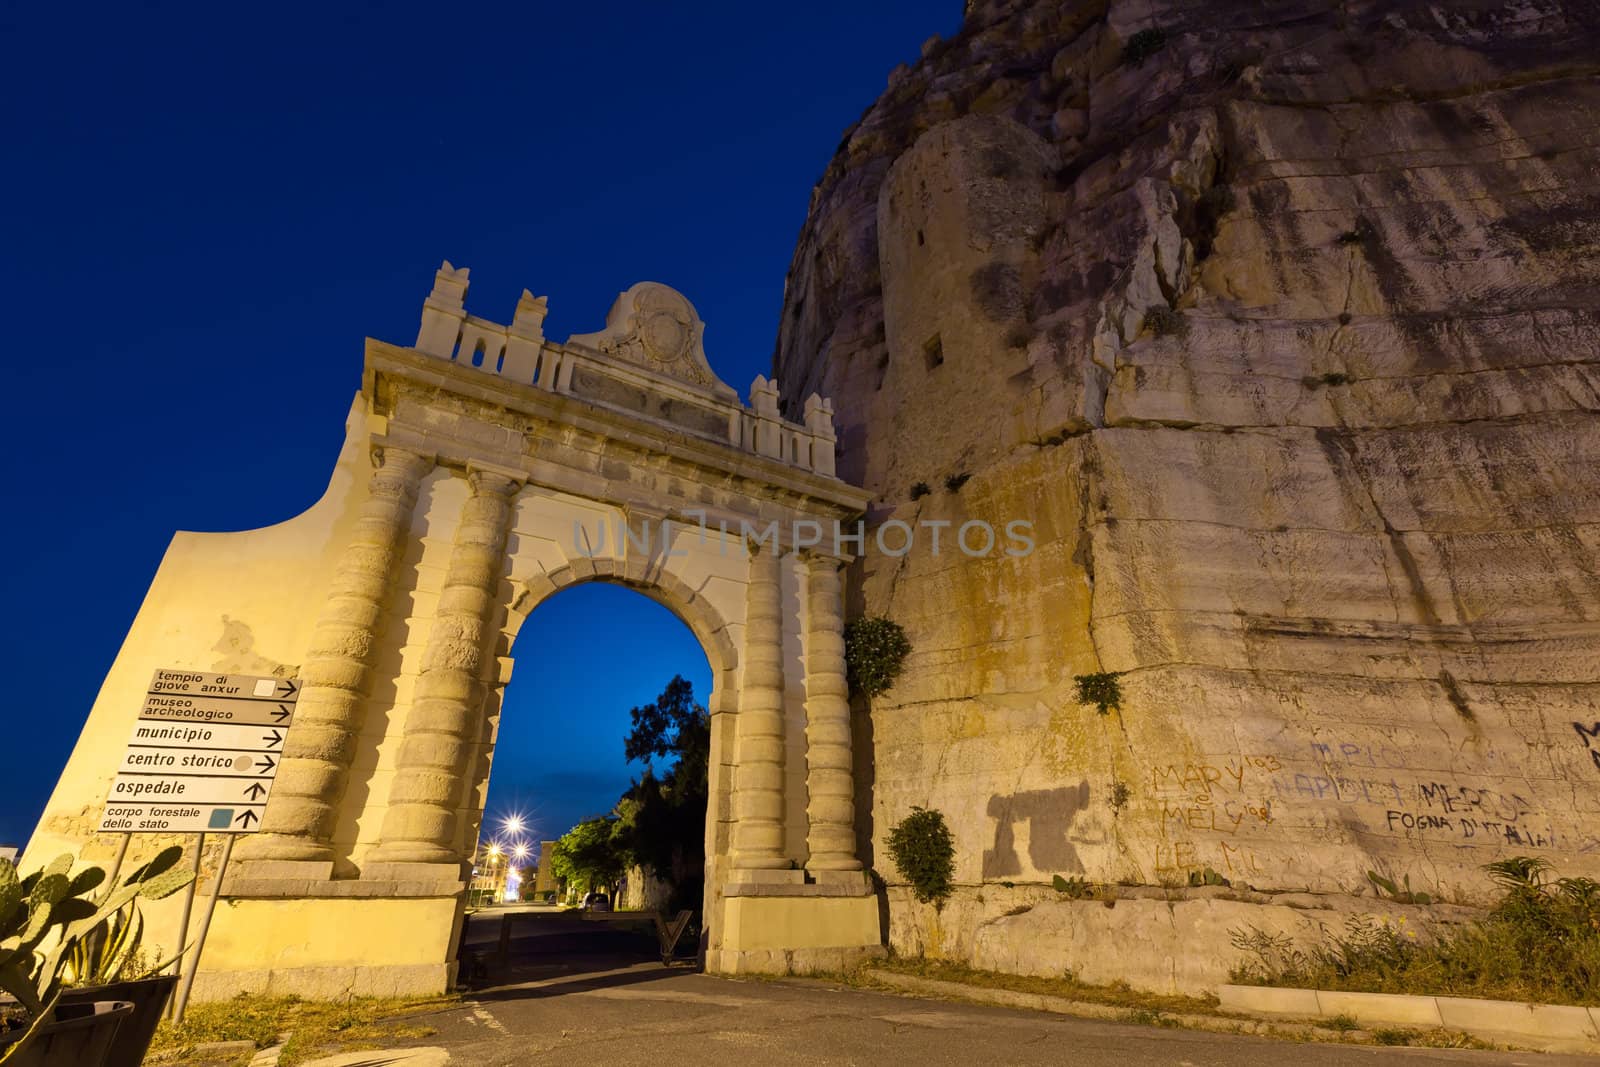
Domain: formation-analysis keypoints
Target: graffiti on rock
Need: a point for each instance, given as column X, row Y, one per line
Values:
column 1048, row 815
column 1591, row 740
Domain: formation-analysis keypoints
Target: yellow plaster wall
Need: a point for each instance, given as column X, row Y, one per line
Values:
column 241, row 602
column 253, row 935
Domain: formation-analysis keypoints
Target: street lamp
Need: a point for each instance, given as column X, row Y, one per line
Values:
column 513, row 825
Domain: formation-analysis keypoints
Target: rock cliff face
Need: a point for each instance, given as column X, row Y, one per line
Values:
column 1280, row 323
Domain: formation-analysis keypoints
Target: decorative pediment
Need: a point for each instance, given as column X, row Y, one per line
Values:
column 655, row 327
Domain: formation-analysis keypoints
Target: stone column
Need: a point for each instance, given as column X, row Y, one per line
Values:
column 830, row 780
column 300, row 814
column 758, row 753
column 444, row 723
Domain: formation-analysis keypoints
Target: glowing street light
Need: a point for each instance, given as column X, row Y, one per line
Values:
column 520, row 852
column 513, row 824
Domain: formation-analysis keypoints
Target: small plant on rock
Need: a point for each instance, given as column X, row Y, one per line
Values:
column 1101, row 689
column 1120, row 794
column 1143, row 45
column 920, row 490
column 1401, row 893
column 1207, row 877
column 1163, row 321
column 924, row 852
column 956, row 481
column 1074, row 888
column 875, row 649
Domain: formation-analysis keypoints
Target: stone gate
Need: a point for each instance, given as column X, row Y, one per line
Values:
column 484, row 469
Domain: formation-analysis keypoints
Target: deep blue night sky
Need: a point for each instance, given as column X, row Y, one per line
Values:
column 211, row 205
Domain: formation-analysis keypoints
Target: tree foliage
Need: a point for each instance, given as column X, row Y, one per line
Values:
column 663, row 817
column 590, row 855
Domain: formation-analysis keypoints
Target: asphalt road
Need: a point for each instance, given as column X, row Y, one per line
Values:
column 572, row 999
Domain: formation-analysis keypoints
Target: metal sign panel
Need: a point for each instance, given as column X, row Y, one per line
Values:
column 203, row 754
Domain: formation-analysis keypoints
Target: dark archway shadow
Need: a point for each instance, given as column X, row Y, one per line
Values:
column 554, row 954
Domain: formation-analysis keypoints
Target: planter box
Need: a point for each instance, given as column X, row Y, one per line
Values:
column 81, row 1036
column 149, row 999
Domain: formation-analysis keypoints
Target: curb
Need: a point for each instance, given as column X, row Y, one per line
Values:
column 1553, row 1027
column 1008, row 998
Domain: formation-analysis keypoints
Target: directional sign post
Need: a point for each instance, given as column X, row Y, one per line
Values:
column 203, row 754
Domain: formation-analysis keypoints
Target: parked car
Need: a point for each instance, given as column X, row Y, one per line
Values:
column 596, row 902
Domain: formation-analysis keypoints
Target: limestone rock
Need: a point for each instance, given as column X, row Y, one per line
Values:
column 1281, row 328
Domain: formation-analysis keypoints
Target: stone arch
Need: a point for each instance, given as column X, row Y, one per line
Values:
column 398, row 607
column 666, row 589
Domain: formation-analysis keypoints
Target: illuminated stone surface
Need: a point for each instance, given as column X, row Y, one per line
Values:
column 484, row 470
column 1333, row 509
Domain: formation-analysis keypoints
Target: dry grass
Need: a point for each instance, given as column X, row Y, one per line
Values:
column 1154, row 1009
column 1119, row 995
column 315, row 1027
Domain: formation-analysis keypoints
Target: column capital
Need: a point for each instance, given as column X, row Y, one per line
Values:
column 488, row 478
column 387, row 455
column 816, row 559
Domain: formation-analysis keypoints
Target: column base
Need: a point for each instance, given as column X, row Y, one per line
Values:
column 796, row 929
column 284, row 847
column 856, row 880
column 444, row 874
column 765, row 876
column 275, row 878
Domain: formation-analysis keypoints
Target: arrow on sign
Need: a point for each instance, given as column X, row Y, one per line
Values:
column 274, row 738
column 281, row 714
column 266, row 764
column 256, row 791
column 246, row 817
column 287, row 688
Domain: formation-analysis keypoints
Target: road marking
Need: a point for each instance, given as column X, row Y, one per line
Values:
column 480, row 1014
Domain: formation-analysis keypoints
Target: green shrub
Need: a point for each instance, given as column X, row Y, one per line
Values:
column 1143, row 45
column 956, row 481
column 1120, row 794
column 875, row 649
column 925, row 854
column 920, row 490
column 1163, row 321
column 1101, row 689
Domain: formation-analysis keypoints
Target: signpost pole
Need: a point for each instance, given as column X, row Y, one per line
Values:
column 116, row 865
column 188, row 906
column 200, row 939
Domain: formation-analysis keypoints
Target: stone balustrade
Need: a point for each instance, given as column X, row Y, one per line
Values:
column 647, row 361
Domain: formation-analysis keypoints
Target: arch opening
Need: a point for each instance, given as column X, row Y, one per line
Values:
column 602, row 733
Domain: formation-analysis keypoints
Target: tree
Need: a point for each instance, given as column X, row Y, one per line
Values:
column 674, row 727
column 589, row 855
column 663, row 818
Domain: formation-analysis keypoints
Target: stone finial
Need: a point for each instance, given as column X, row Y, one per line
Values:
column 530, row 313
column 819, row 415
column 443, row 312
column 449, row 286
column 764, row 396
column 819, row 421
